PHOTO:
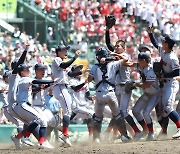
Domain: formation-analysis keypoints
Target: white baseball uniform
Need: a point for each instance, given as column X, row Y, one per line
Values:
column 60, row 90
column 148, row 100
column 24, row 107
column 12, row 90
column 80, row 104
column 39, row 105
column 170, row 63
column 123, row 75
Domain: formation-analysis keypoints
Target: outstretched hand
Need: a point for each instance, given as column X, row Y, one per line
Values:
column 77, row 53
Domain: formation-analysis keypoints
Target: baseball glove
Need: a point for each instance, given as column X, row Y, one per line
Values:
column 129, row 86
column 110, row 21
column 158, row 70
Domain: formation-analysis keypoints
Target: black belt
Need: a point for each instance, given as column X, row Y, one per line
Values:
column 167, row 80
column 105, row 91
column 26, row 103
column 121, row 84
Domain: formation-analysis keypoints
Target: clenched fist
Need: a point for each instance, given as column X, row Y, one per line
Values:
column 77, row 53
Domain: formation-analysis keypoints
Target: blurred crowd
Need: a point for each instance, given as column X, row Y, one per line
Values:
column 86, row 19
column 11, row 47
column 87, row 25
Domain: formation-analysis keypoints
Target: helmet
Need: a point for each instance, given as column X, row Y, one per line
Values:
column 102, row 52
column 6, row 74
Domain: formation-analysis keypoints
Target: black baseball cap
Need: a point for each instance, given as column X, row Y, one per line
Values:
column 168, row 39
column 76, row 66
column 22, row 67
column 145, row 56
column 145, row 47
column 39, row 66
column 6, row 74
column 61, row 48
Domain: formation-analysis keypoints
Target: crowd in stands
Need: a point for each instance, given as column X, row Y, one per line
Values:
column 133, row 17
column 87, row 24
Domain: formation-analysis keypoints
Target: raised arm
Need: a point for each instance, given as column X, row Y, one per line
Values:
column 65, row 65
column 21, row 60
column 152, row 38
column 108, row 42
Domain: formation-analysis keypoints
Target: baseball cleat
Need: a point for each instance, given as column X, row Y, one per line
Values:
column 97, row 140
column 45, row 145
column 125, row 138
column 66, row 140
column 177, row 135
column 162, row 135
column 16, row 142
column 27, row 141
column 137, row 136
column 106, row 137
column 150, row 137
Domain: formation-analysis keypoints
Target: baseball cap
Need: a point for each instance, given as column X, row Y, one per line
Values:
column 168, row 39
column 6, row 74
column 145, row 56
column 39, row 66
column 145, row 47
column 61, row 48
column 76, row 66
column 22, row 67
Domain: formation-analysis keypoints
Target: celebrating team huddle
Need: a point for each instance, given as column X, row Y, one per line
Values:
column 24, row 97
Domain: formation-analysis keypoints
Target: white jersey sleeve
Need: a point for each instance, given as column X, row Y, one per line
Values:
column 58, row 72
column 12, row 91
column 174, row 62
column 150, row 76
column 25, row 90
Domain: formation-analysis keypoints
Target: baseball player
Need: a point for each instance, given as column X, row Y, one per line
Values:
column 170, row 65
column 13, row 82
column 38, row 102
column 163, row 121
column 60, row 91
column 148, row 100
column 104, row 74
column 4, row 93
column 80, row 93
column 54, row 105
column 24, row 108
column 122, row 76
column 178, row 106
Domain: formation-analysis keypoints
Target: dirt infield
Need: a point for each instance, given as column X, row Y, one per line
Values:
column 153, row 147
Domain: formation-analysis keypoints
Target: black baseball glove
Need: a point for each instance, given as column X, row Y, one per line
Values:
column 110, row 21
column 129, row 86
column 158, row 70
